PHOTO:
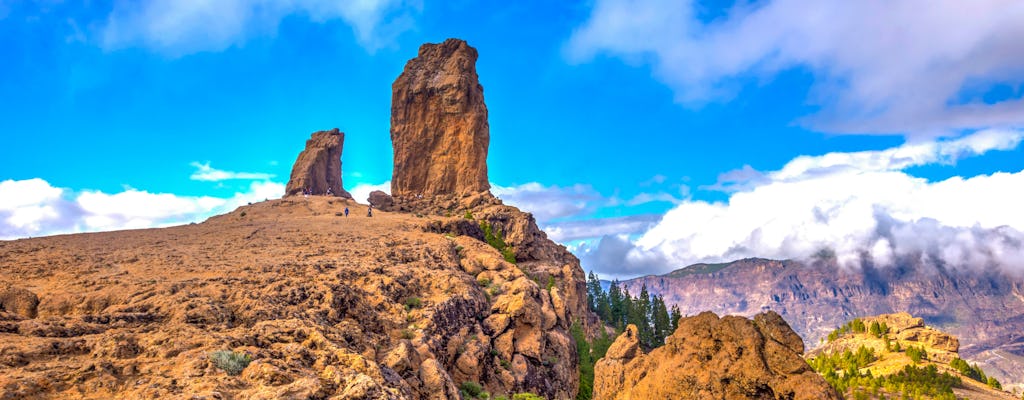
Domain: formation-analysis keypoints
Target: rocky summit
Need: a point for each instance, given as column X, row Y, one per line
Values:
column 439, row 126
column 317, row 171
column 712, row 358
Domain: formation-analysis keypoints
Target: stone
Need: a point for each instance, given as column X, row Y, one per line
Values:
column 439, row 128
column 18, row 301
column 380, row 200
column 711, row 358
column 318, row 167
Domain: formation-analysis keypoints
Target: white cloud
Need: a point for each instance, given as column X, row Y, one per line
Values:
column 361, row 192
column 206, row 173
column 179, row 27
column 549, row 203
column 854, row 204
column 33, row 207
column 880, row 66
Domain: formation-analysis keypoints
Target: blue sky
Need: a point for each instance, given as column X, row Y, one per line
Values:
column 615, row 121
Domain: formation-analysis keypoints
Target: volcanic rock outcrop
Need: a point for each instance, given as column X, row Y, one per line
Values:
column 380, row 200
column 982, row 307
column 712, row 358
column 318, row 168
column 403, row 305
column 439, row 127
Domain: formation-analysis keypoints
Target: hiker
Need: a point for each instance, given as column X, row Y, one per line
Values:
column 329, row 191
column 346, row 212
column 369, row 211
column 305, row 192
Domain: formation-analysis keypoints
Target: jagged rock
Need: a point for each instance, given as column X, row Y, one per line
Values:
column 18, row 301
column 711, row 358
column 439, row 127
column 318, row 168
column 380, row 200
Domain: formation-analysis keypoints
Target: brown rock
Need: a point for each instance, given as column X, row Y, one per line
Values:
column 711, row 358
column 379, row 199
column 318, row 168
column 439, row 124
column 18, row 301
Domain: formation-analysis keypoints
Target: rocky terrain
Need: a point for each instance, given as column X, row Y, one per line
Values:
column 985, row 309
column 318, row 168
column 903, row 331
column 708, row 357
column 439, row 124
column 292, row 299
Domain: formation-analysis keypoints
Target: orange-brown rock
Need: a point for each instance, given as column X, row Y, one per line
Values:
column 380, row 200
column 439, row 128
column 712, row 358
column 318, row 167
column 321, row 303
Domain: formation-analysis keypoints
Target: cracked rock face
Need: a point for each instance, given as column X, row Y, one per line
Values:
column 439, row 127
column 318, row 168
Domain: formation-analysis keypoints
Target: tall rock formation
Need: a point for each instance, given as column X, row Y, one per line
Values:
column 439, row 124
column 712, row 358
column 318, row 167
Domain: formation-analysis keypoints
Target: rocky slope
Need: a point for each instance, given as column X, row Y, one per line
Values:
column 318, row 167
column 905, row 331
column 708, row 357
column 404, row 305
column 389, row 307
column 439, row 126
column 985, row 309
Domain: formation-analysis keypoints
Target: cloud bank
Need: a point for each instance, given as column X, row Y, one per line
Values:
column 33, row 207
column 856, row 206
column 180, row 27
column 905, row 67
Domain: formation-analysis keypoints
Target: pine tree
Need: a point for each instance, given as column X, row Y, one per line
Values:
column 676, row 316
column 643, row 315
column 616, row 303
column 662, row 320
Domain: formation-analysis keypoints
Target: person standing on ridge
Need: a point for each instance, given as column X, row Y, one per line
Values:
column 346, row 212
column 369, row 211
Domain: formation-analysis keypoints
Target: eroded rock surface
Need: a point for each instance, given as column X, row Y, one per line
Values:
column 712, row 358
column 318, row 167
column 439, row 127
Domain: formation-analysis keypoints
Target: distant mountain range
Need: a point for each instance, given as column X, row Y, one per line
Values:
column 985, row 308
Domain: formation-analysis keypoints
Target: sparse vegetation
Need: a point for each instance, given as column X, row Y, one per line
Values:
column 468, row 215
column 413, row 302
column 473, row 390
column 230, row 362
column 526, row 396
column 408, row 334
column 483, row 282
column 493, row 238
column 588, row 354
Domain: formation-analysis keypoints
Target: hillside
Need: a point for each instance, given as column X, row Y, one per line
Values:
column 984, row 308
column 897, row 356
column 451, row 294
column 324, row 305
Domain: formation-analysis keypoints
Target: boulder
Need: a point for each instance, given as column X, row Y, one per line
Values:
column 712, row 358
column 318, row 168
column 439, row 128
column 380, row 200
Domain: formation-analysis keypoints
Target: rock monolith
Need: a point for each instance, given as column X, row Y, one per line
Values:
column 318, row 168
column 439, row 128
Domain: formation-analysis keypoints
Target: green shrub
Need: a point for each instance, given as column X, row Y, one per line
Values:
column 505, row 364
column 413, row 302
column 494, row 239
column 483, row 282
column 471, row 389
column 229, row 361
column 408, row 334
column 469, row 215
column 526, row 396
